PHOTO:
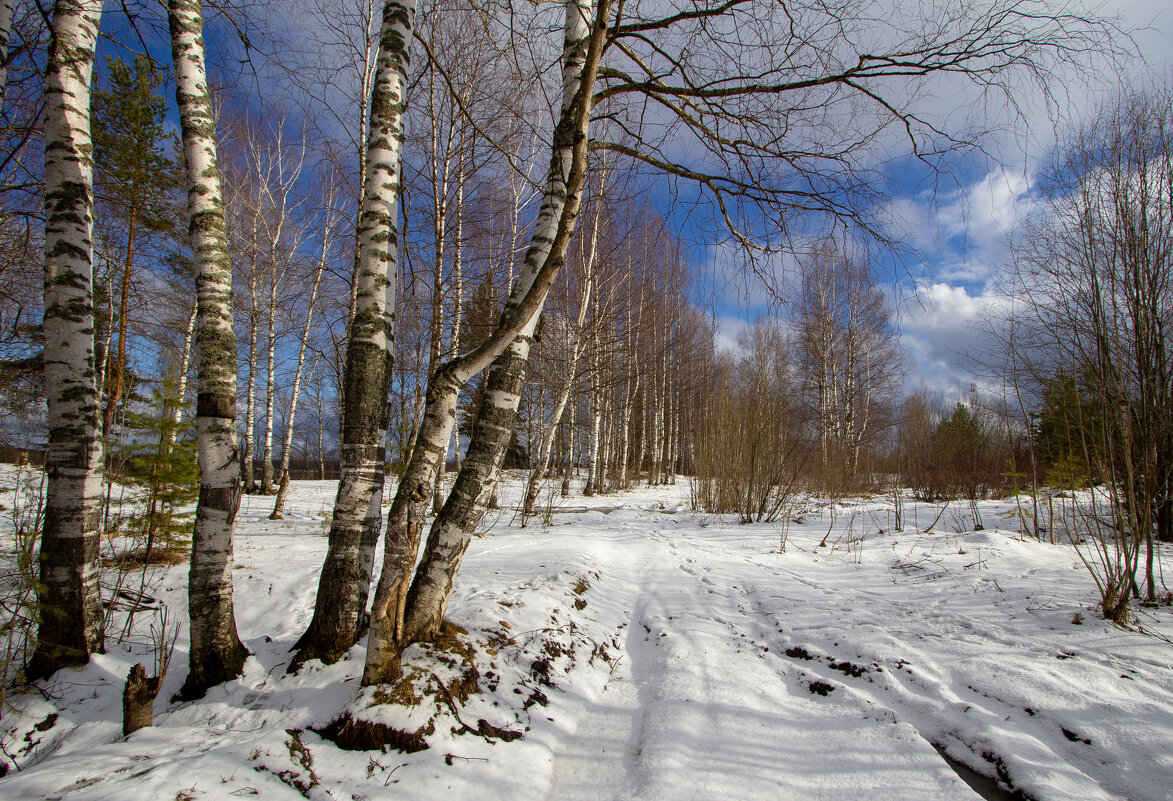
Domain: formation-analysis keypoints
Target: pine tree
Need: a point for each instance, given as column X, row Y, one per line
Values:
column 133, row 181
column 162, row 460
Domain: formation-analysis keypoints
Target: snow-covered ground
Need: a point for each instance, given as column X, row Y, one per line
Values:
column 626, row 648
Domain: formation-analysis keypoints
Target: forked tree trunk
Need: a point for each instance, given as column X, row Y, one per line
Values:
column 216, row 653
column 440, row 173
column 69, row 599
column 452, row 529
column 354, row 530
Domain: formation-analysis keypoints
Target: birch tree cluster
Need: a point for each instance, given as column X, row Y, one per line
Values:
column 405, row 246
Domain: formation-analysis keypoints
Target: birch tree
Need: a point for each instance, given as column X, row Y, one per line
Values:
column 328, row 222
column 574, row 346
column 508, row 348
column 216, row 654
column 71, row 607
column 354, row 529
column 5, row 34
column 849, row 361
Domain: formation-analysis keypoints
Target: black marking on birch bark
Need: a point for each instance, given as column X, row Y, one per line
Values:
column 345, row 580
column 216, row 654
column 69, row 597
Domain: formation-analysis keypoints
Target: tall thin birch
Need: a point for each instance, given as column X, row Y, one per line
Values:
column 354, row 530
column 574, row 345
column 303, row 344
column 216, row 653
column 71, row 607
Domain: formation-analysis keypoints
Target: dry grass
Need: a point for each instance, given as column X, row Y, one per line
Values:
column 138, row 558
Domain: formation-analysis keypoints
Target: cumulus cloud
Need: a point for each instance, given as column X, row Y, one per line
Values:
column 949, row 333
column 728, row 332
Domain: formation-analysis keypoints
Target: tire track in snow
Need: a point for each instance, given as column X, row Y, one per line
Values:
column 704, row 712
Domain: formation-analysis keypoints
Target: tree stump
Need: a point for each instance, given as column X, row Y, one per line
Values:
column 138, row 700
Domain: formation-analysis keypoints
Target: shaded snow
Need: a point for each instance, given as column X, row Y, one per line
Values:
column 646, row 652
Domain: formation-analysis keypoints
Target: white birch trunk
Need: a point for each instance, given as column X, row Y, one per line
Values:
column 184, row 364
column 370, row 64
column 596, row 422
column 458, row 287
column 216, row 653
column 354, row 530
column 270, row 389
column 574, row 345
column 569, row 471
column 508, row 348
column 5, row 35
column 70, row 602
column 629, row 392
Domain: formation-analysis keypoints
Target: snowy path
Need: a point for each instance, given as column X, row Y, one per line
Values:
column 702, row 709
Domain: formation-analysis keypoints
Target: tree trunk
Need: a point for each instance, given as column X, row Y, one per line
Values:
column 458, row 288
column 321, row 433
column 251, row 396
column 138, row 700
column 5, row 35
column 452, row 529
column 575, row 344
column 69, row 600
column 440, row 167
column 354, row 530
column 270, row 390
column 596, row 422
column 565, row 489
column 117, row 386
column 184, row 364
column 638, row 464
column 216, row 653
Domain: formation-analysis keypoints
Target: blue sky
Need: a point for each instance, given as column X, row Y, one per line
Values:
column 956, row 225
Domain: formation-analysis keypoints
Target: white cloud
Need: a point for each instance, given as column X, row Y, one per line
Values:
column 728, row 332
column 949, row 334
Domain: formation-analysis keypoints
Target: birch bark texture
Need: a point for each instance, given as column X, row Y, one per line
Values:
column 390, row 630
column 71, row 606
column 452, row 529
column 5, row 38
column 216, row 653
column 354, row 530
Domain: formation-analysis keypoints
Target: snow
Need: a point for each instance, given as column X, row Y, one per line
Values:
column 643, row 651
